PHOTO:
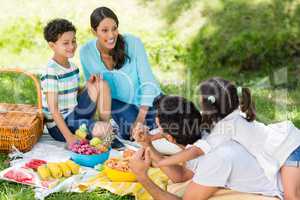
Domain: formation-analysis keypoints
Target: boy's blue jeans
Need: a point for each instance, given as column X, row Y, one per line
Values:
column 125, row 114
column 82, row 114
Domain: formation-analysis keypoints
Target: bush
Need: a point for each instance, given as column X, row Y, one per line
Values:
column 15, row 88
column 245, row 35
column 164, row 51
column 21, row 34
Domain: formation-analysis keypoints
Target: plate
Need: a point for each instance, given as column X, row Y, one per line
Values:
column 165, row 147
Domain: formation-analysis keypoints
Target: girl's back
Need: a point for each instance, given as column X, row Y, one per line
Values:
column 271, row 145
column 276, row 147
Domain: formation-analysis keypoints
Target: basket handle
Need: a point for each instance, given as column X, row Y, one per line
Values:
column 36, row 83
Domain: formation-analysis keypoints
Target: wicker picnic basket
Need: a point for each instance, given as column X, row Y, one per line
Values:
column 21, row 125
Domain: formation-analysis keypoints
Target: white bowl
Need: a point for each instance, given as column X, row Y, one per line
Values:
column 165, row 147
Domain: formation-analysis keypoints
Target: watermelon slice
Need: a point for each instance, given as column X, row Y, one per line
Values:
column 19, row 176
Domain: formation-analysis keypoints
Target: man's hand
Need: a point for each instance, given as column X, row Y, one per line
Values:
column 140, row 134
column 140, row 163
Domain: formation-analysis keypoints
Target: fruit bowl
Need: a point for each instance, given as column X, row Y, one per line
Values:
column 89, row 160
column 90, row 152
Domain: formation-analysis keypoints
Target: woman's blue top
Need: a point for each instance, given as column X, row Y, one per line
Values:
column 134, row 83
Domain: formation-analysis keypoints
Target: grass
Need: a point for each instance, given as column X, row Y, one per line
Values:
column 170, row 31
column 272, row 105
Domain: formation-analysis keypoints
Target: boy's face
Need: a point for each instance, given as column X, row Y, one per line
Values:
column 164, row 135
column 66, row 45
column 107, row 33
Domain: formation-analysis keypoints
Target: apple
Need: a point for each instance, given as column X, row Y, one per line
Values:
column 95, row 141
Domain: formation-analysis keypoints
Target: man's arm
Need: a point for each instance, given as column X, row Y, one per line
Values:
column 195, row 191
column 155, row 191
column 176, row 173
column 140, row 166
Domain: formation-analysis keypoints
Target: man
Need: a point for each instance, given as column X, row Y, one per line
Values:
column 228, row 166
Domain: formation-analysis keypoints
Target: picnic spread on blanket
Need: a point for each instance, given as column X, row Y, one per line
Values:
column 50, row 166
column 56, row 172
column 89, row 179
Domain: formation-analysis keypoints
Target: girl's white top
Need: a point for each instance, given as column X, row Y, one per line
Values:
column 271, row 145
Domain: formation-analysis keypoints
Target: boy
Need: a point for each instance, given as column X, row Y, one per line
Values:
column 65, row 110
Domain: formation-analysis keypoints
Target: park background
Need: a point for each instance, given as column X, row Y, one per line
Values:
column 253, row 43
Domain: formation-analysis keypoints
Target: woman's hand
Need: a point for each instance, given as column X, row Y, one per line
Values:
column 134, row 126
column 140, row 119
column 140, row 163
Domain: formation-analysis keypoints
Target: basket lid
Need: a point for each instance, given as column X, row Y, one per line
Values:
column 6, row 107
column 17, row 119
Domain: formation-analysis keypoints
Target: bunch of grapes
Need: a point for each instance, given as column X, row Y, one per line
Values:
column 83, row 147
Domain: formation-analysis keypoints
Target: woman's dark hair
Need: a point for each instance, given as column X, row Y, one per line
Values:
column 220, row 97
column 179, row 118
column 56, row 27
column 118, row 53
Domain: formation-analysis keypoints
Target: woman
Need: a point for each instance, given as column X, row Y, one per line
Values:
column 121, row 60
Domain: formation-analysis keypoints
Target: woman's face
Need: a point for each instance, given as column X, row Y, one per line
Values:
column 107, row 33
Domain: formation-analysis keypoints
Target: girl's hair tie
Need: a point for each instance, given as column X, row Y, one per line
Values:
column 211, row 99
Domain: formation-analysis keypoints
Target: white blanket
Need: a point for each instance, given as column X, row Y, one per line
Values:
column 53, row 151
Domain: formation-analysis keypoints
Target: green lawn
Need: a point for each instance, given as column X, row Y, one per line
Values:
column 187, row 41
column 272, row 105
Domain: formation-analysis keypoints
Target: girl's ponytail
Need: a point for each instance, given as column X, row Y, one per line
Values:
column 247, row 105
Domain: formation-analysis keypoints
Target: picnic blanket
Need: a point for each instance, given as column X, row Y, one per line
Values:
column 124, row 188
column 222, row 194
column 53, row 151
column 136, row 189
column 92, row 179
